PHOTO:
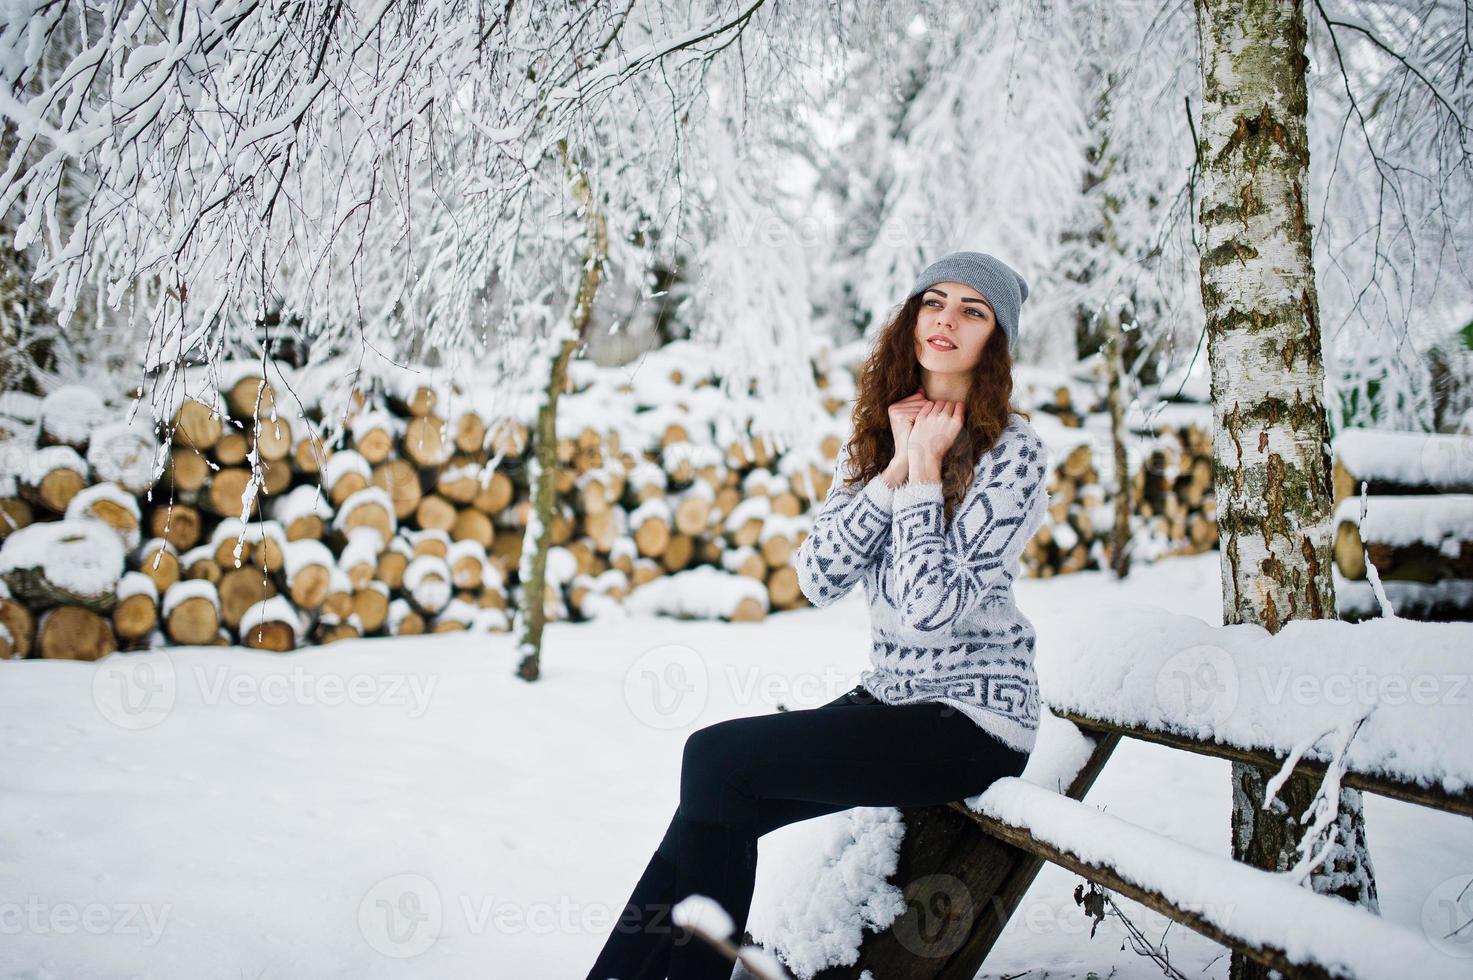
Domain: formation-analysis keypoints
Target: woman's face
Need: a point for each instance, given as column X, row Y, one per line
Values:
column 951, row 311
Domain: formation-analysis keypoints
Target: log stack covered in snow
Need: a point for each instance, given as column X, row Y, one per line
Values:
column 258, row 531
column 271, row 528
column 1404, row 516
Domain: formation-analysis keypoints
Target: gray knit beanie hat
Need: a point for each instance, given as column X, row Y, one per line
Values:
column 1002, row 287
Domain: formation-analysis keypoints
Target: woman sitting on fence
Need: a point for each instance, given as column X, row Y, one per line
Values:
column 933, row 500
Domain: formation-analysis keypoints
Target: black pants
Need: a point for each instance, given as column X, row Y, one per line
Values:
column 741, row 778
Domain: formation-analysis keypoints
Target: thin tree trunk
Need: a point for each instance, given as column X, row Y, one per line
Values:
column 1270, row 434
column 1115, row 369
column 19, row 307
column 542, row 475
column 1113, row 348
column 26, row 354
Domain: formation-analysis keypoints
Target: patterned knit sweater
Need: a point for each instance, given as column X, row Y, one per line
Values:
column 942, row 617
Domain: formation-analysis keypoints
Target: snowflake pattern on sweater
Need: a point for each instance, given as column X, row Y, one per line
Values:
column 942, row 617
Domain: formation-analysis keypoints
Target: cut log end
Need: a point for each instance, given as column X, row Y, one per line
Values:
column 75, row 633
column 274, row 636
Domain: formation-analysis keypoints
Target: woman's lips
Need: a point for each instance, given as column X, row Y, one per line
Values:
column 940, row 347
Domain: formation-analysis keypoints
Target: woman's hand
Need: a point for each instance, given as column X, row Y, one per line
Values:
column 936, row 427
column 902, row 417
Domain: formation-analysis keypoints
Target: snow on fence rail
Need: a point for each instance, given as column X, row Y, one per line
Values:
column 1282, row 925
column 1403, row 688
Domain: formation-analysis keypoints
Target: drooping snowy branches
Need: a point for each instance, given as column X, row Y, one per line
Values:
column 1391, row 110
column 369, row 176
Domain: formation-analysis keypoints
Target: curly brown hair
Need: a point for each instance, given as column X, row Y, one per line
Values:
column 891, row 373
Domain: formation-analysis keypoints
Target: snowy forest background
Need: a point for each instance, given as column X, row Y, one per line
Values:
column 386, row 182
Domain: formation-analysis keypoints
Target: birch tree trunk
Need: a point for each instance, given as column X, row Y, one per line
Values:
column 1270, row 434
column 542, row 474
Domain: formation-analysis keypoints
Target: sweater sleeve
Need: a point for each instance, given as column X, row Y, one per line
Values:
column 941, row 574
column 847, row 536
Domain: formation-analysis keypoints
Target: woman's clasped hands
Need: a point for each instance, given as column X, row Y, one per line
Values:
column 924, row 431
column 936, row 427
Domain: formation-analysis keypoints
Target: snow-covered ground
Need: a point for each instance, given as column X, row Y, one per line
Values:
column 408, row 808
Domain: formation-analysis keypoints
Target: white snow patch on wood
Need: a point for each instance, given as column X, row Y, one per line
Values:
column 368, row 495
column 300, row 502
column 834, row 891
column 126, row 453
column 1440, row 521
column 31, row 467
column 364, row 545
column 80, row 509
column 193, row 588
column 306, row 553
column 1438, row 461
column 1261, row 907
column 340, row 464
column 701, row 593
column 277, row 609
column 1414, row 600
column 71, row 413
column 84, row 557
column 1239, row 685
column 136, row 583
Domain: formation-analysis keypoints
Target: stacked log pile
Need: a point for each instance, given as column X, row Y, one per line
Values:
column 1404, row 516
column 257, row 532
column 270, row 529
column 1173, row 508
